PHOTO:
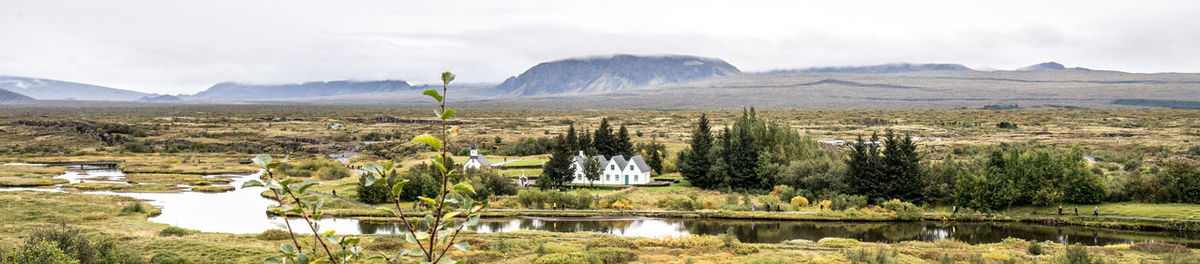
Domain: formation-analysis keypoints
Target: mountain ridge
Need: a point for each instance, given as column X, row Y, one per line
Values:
column 613, row 73
column 239, row 91
column 47, row 89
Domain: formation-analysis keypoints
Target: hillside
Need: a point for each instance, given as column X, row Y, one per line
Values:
column 46, row 89
column 9, row 96
column 615, row 73
column 882, row 68
column 237, row 91
column 1067, row 88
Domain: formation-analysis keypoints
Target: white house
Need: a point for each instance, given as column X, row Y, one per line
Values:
column 476, row 161
column 616, row 170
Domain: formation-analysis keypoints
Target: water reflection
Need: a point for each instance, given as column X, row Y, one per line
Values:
column 242, row 211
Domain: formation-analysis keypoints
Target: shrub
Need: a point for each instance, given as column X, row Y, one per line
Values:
column 799, row 201
column 484, row 257
column 843, row 202
column 1035, row 248
column 79, row 247
column 686, row 242
column 611, row 242
column 41, row 252
column 386, row 245
column 1077, row 254
column 568, row 258
column 532, row 198
column 333, row 173
column 880, row 255
column 838, row 242
column 173, row 231
column 678, row 203
column 133, row 208
column 167, row 258
column 273, row 234
column 610, row 255
column 904, row 210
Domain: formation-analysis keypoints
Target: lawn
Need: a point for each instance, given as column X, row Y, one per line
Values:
column 1172, row 210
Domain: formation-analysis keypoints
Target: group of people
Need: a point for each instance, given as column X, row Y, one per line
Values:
column 1095, row 211
column 769, row 207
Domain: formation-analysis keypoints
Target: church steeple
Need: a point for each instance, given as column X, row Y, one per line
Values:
column 474, row 150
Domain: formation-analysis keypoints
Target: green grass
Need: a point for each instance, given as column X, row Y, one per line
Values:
column 29, row 182
column 681, row 185
column 526, row 162
column 1173, row 210
column 212, row 188
column 517, row 172
column 117, row 187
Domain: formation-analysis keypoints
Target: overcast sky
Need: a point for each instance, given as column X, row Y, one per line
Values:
column 186, row 46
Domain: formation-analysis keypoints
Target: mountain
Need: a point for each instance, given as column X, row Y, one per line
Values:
column 1043, row 66
column 618, row 72
column 883, row 68
column 9, row 96
column 237, row 91
column 159, row 98
column 45, row 89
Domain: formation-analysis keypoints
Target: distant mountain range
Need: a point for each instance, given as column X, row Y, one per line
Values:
column 45, row 89
column 7, row 96
column 661, row 81
column 615, row 73
column 883, row 68
column 237, row 91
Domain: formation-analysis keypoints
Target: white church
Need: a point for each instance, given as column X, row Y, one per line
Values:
column 617, row 170
column 476, row 161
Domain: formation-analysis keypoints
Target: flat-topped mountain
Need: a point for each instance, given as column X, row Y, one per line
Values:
column 1044, row 66
column 46, row 89
column 9, row 96
column 618, row 72
column 237, row 91
column 883, row 68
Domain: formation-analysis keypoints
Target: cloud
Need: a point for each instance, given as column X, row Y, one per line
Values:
column 186, row 46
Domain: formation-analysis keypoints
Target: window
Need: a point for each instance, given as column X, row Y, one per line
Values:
column 630, row 167
column 607, row 177
column 634, row 177
column 613, row 167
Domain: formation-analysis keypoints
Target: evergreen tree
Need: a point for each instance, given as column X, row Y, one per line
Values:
column 624, row 145
column 902, row 168
column 694, row 162
column 560, row 169
column 586, row 144
column 604, row 140
column 864, row 169
column 743, row 155
column 653, row 153
column 572, row 138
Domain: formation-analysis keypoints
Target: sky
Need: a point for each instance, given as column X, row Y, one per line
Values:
column 171, row 47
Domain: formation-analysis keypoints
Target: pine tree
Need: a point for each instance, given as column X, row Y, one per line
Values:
column 624, row 145
column 864, row 169
column 902, row 168
column 603, row 139
column 694, row 162
column 743, row 155
column 586, row 144
column 560, row 169
column 572, row 138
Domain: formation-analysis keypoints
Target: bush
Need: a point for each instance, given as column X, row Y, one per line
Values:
column 133, row 208
column 610, row 255
column 167, row 258
column 685, row 242
column 799, row 201
column 173, row 231
column 879, row 255
column 1077, row 254
column 611, row 242
column 904, row 210
column 41, row 252
column 273, row 234
column 333, row 173
column 577, row 199
column 842, row 202
column 73, row 243
column 568, row 258
column 1035, row 248
column 678, row 203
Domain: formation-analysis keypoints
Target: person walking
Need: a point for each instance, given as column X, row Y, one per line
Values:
column 1096, row 211
column 1060, row 210
column 1077, row 211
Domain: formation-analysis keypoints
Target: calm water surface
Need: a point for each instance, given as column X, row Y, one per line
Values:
column 242, row 212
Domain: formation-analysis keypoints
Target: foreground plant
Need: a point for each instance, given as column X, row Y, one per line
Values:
column 288, row 194
column 436, row 231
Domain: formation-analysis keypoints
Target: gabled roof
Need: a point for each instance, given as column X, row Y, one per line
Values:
column 482, row 161
column 641, row 163
column 621, row 162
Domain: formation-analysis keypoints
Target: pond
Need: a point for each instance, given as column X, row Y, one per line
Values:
column 242, row 212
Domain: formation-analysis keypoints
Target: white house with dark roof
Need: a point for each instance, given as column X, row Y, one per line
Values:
column 476, row 161
column 616, row 170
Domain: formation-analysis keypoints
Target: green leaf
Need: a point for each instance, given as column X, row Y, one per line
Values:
column 273, row 165
column 464, row 187
column 398, row 187
column 434, row 93
column 303, row 259
column 446, row 115
column 449, row 216
column 252, row 183
column 261, row 160
column 288, row 248
column 410, row 238
column 373, row 168
column 428, row 200
column 370, row 180
column 308, row 183
column 463, row 246
column 287, row 181
column 272, row 260
column 433, row 142
column 474, row 220
column 447, row 77
column 415, row 252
